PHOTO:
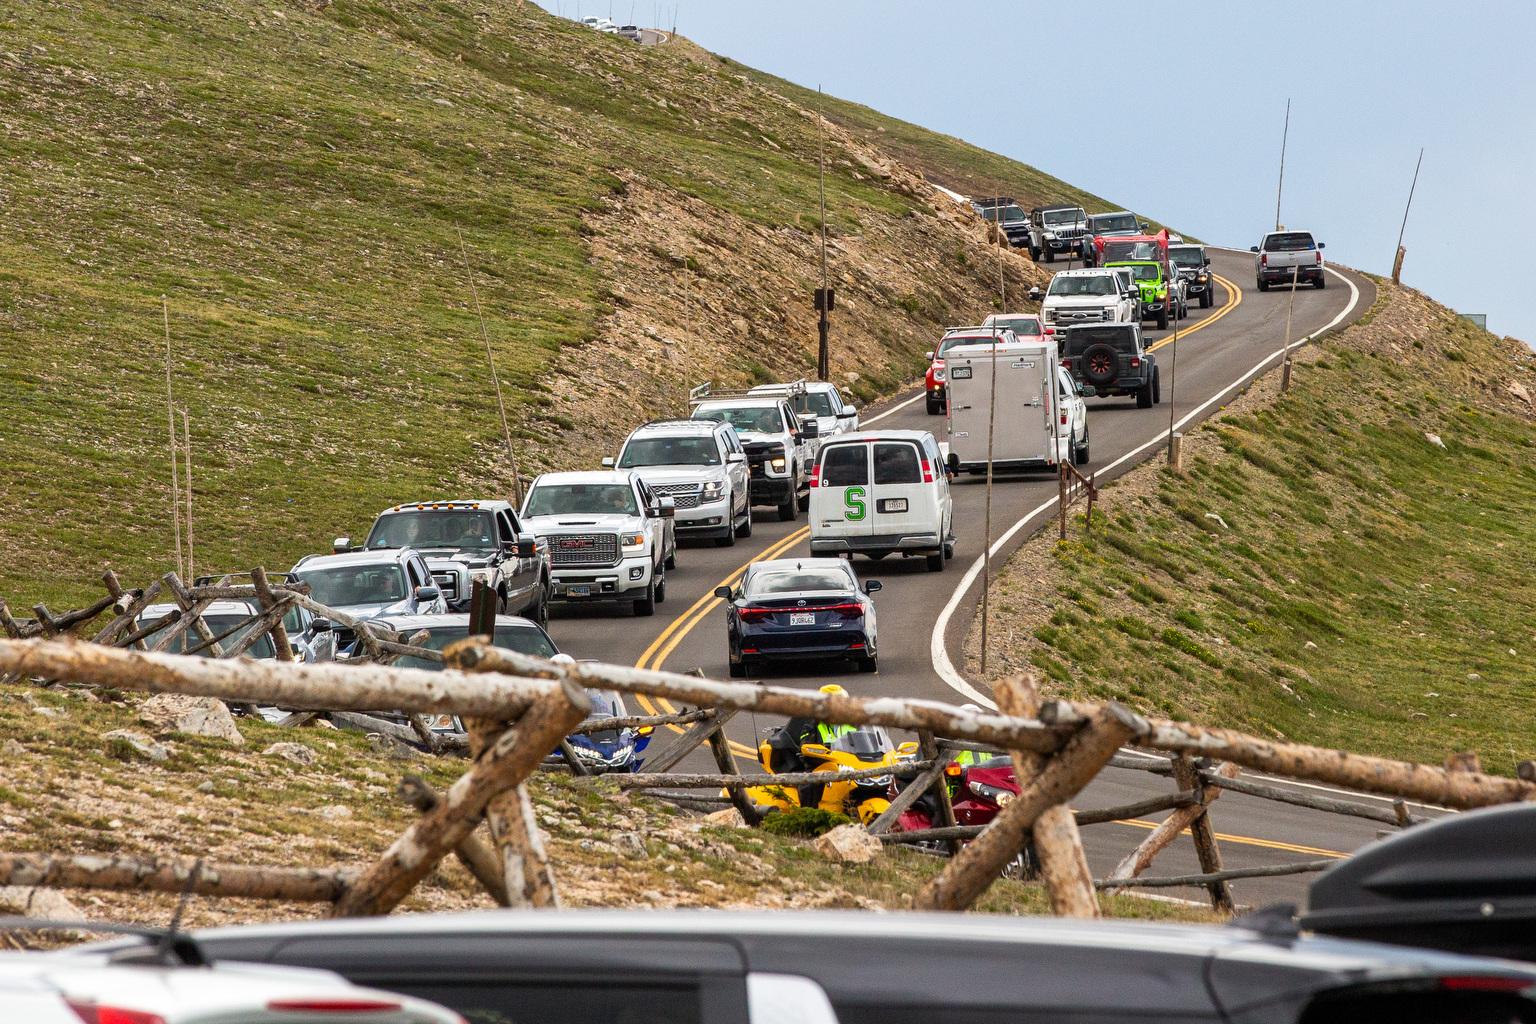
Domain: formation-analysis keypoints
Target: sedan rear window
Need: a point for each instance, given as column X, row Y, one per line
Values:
column 1289, row 241
column 793, row 581
column 845, row 465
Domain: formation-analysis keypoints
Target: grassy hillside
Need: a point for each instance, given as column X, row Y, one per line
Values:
column 1325, row 571
column 294, row 179
column 68, row 789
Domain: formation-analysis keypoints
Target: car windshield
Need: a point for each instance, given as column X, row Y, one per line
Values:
column 1130, row 251
column 670, row 451
column 348, row 585
column 460, row 530
column 581, row 499
column 522, row 639
column 1289, row 241
column 1145, row 271
column 1081, row 339
column 1021, row 326
column 1055, row 218
column 1187, row 256
column 813, row 403
column 218, row 625
column 1012, row 215
column 1116, row 222
column 1095, row 284
column 763, row 419
column 791, row 581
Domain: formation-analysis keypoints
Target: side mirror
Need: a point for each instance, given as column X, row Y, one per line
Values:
column 299, row 653
column 907, row 748
column 1034, row 293
column 724, row 593
column 561, row 659
column 815, row 750
column 1322, row 245
column 607, row 461
column 953, row 462
column 1087, row 390
column 1145, row 227
column 928, row 355
column 1253, row 248
column 428, row 593
column 321, row 625
column 1207, row 261
column 668, row 508
column 527, row 545
column 341, row 544
column 735, row 458
column 871, row 586
column 847, row 414
column 810, row 428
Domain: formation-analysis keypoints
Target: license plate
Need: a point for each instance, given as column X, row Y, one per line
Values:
column 802, row 618
column 584, row 590
column 893, row 505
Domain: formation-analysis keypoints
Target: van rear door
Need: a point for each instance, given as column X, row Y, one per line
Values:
column 840, row 502
column 902, row 495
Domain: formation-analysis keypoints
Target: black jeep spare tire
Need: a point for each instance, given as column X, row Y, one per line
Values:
column 1100, row 364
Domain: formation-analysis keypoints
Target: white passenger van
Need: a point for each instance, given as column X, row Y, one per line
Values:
column 1041, row 420
column 882, row 492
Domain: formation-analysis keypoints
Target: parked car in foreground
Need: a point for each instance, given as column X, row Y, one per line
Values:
column 1284, row 256
column 1112, row 359
column 469, row 542
column 702, row 467
column 610, row 537
column 799, row 609
column 737, row 967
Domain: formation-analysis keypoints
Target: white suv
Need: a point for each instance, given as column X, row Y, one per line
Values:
column 702, row 467
column 1093, row 296
column 611, row 538
column 780, row 448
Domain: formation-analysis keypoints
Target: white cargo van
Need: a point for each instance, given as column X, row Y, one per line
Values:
column 1041, row 418
column 882, row 492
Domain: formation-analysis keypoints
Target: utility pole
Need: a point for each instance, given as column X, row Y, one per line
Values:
column 170, row 416
column 1174, row 440
column 1397, row 257
column 1284, row 138
column 824, row 299
column 986, row 549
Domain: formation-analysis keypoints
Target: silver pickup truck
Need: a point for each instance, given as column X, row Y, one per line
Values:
column 1284, row 256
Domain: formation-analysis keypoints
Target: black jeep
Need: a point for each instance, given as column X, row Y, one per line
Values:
column 1112, row 360
column 1194, row 266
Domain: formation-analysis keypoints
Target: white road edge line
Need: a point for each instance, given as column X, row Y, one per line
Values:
column 938, row 650
column 893, row 409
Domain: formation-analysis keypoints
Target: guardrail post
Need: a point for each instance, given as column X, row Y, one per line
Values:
column 1187, row 776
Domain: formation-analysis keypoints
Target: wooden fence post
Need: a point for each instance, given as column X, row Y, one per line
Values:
column 968, row 874
column 482, row 863
column 501, row 766
column 1063, row 864
column 1139, row 859
column 1187, row 776
column 720, row 747
column 279, row 631
column 928, row 750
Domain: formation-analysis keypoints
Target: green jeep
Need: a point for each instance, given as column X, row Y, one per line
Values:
column 1162, row 293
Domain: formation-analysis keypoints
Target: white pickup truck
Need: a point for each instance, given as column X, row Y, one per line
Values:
column 1285, row 256
column 1092, row 296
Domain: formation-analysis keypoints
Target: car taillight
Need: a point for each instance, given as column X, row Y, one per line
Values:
column 1067, row 363
column 335, row 1005
column 1063, row 419
column 1484, row 983
column 1263, row 259
column 90, row 1013
column 927, row 472
column 852, row 610
column 1135, row 361
column 1319, row 258
column 751, row 614
column 816, row 475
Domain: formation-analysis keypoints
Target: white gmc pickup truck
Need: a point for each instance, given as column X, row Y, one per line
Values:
column 1284, row 256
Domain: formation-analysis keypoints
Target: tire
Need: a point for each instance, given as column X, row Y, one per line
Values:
column 501, row 603
column 646, row 605
column 728, row 539
column 868, row 663
column 1162, row 318
column 789, row 511
column 738, row 670
column 1050, row 257
column 1100, row 364
column 661, row 586
column 1144, row 396
column 1320, row 283
column 805, row 501
column 745, row 529
column 936, row 562
column 935, row 407
column 671, row 562
column 949, row 551
column 540, row 611
column 1206, row 299
column 1034, row 253
column 1261, row 285
column 1157, row 386
column 1080, row 452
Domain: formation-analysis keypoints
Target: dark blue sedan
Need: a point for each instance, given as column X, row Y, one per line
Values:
column 800, row 608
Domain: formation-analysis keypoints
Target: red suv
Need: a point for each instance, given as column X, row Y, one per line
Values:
column 1023, row 325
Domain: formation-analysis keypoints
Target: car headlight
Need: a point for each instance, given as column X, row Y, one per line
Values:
column 632, row 540
column 777, row 463
column 1201, row 277
column 713, row 490
column 1049, row 234
column 480, row 575
column 938, row 374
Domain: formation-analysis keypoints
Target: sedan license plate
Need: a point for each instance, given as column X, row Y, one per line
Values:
column 802, row 618
column 579, row 590
column 893, row 505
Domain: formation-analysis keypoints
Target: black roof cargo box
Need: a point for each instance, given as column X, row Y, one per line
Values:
column 1465, row 883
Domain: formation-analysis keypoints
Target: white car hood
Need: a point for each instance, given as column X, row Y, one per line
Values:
column 580, row 522
column 368, row 611
column 655, row 475
column 755, row 436
column 1080, row 301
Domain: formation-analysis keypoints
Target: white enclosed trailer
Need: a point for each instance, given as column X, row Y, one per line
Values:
column 1040, row 418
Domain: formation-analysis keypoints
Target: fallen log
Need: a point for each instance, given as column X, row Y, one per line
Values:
column 69, row 620
column 1417, row 782
column 127, row 614
column 941, row 719
column 1201, row 880
column 636, row 721
column 653, row 780
column 171, row 874
column 472, row 853
column 281, row 642
column 360, row 722
column 324, row 687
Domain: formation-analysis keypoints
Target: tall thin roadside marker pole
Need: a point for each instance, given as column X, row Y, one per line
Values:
column 1397, row 256
column 170, row 420
column 1173, row 369
column 1284, row 138
column 186, row 452
column 501, row 406
column 986, row 550
column 1285, row 366
column 823, row 323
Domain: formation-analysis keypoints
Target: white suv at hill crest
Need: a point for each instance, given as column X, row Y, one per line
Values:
column 702, row 467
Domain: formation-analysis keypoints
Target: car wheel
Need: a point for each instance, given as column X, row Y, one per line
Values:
column 1157, row 386
column 949, row 551
column 541, row 605
column 647, row 605
column 935, row 407
column 1099, row 364
column 1320, row 283
column 1206, row 299
column 936, row 562
column 661, row 586
column 745, row 529
column 1162, row 318
column 1144, row 396
column 868, row 663
column 1050, row 256
column 1080, row 452
column 805, row 501
column 1034, row 253
column 501, row 603
column 738, row 670
column 728, row 539
column 1261, row 285
column 671, row 562
column 790, row 509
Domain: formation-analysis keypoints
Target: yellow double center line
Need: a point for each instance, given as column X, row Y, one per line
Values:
column 1234, row 299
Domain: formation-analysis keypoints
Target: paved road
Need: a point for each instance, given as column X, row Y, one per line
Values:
column 1218, row 351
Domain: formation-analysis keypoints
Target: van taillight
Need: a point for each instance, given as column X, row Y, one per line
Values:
column 1063, row 419
column 927, row 472
column 1319, row 257
column 90, row 1013
column 816, row 475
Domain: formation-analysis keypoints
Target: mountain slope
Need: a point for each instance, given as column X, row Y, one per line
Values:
column 314, row 189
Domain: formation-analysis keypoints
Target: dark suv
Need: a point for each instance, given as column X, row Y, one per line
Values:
column 1004, row 211
column 1194, row 266
column 724, row 967
column 1111, row 359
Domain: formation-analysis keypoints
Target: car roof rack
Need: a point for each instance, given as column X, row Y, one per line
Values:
column 707, row 392
column 224, row 579
column 676, row 421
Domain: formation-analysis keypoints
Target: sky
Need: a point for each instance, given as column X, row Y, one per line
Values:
column 1369, row 84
